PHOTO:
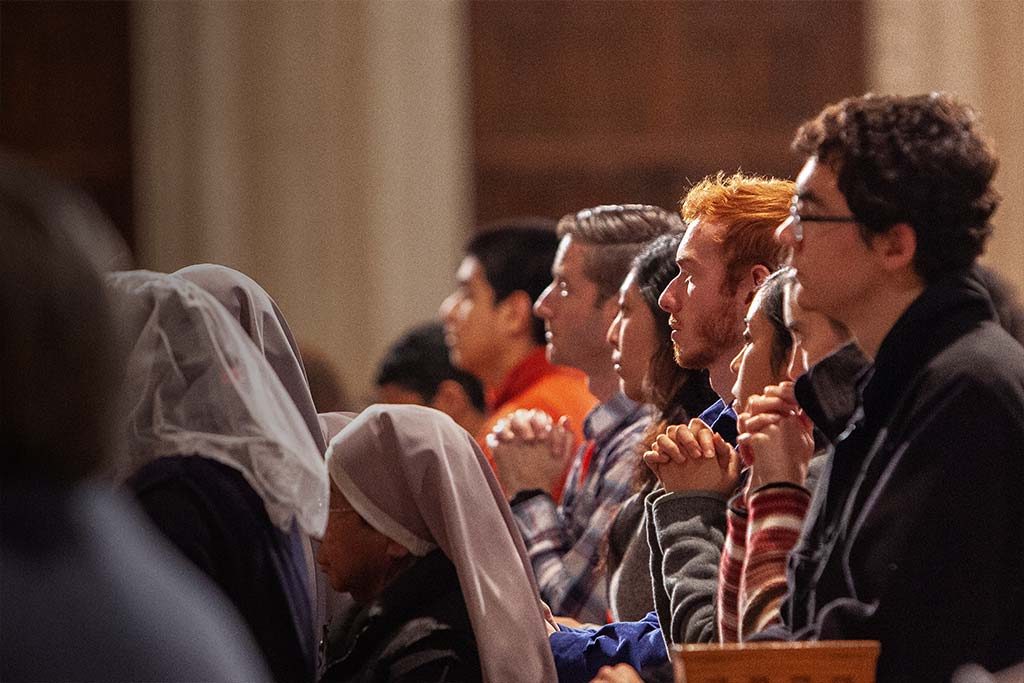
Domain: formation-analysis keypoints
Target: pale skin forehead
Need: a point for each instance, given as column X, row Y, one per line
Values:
column 814, row 187
column 557, row 265
column 698, row 249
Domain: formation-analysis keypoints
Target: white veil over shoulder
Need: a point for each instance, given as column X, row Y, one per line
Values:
column 422, row 480
column 196, row 385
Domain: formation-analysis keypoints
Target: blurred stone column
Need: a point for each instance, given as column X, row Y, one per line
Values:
column 321, row 147
column 973, row 48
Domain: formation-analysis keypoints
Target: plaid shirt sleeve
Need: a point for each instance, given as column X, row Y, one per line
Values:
column 565, row 544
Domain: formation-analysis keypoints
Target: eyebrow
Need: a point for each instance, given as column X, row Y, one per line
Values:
column 808, row 196
column 687, row 262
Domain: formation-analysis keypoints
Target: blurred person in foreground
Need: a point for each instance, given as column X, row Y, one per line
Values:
column 89, row 590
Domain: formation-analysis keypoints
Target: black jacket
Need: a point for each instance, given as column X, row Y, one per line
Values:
column 916, row 535
column 219, row 522
column 416, row 631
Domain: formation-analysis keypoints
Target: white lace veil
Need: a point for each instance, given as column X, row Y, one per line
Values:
column 263, row 322
column 196, row 385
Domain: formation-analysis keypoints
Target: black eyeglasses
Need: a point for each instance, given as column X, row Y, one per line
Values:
column 795, row 221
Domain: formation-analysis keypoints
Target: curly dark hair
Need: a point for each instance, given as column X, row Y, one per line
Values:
column 919, row 160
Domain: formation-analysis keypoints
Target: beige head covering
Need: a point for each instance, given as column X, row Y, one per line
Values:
column 420, row 479
column 196, row 385
column 332, row 423
column 262, row 320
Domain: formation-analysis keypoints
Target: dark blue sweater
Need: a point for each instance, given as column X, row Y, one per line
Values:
column 218, row 521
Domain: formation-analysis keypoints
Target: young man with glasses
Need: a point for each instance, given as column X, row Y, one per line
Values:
column 916, row 537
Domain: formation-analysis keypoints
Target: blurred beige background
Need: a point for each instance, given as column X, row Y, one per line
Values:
column 340, row 153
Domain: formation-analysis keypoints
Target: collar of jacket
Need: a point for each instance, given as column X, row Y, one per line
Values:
column 430, row 584
column 827, row 392
column 946, row 310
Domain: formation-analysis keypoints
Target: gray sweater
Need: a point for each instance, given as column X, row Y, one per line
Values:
column 686, row 532
column 630, row 595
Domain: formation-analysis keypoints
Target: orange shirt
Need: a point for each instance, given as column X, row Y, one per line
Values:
column 535, row 383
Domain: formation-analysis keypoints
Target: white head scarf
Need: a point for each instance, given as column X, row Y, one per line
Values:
column 420, row 479
column 196, row 385
column 262, row 320
column 332, row 423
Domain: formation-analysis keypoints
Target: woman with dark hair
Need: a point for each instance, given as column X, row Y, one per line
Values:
column 648, row 373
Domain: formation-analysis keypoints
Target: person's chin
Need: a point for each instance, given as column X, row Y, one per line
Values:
column 632, row 393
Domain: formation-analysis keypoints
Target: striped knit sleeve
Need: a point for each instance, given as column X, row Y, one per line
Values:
column 730, row 570
column 775, row 517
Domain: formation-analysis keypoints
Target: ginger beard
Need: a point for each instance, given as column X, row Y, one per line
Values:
column 700, row 343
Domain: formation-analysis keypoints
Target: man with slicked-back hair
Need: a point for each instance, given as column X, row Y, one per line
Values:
column 565, row 542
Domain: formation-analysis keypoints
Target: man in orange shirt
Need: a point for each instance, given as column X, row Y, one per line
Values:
column 492, row 332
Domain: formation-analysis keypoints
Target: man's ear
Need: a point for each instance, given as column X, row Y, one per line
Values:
column 450, row 397
column 609, row 309
column 896, row 247
column 515, row 314
column 754, row 278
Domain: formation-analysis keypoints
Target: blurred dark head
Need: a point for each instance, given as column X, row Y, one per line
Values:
column 58, row 354
column 325, row 383
column 418, row 363
column 516, row 255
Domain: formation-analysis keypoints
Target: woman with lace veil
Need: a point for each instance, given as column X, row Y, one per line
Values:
column 265, row 324
column 221, row 460
column 420, row 534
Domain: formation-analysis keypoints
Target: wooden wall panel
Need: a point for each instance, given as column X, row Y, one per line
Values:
column 65, row 95
column 580, row 103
